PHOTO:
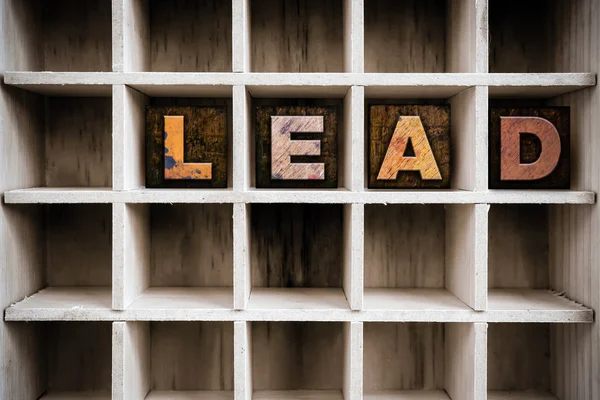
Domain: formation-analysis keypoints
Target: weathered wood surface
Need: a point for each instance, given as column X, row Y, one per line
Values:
column 204, row 142
column 530, row 148
column 283, row 148
column 389, row 150
column 296, row 245
column 297, row 36
column 328, row 147
column 297, row 355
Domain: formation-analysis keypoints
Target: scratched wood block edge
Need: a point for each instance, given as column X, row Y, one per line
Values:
column 381, row 122
column 560, row 178
column 199, row 145
column 329, row 143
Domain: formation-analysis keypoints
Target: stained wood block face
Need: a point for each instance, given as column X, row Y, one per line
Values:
column 296, row 146
column 409, row 146
column 186, row 147
column 529, row 148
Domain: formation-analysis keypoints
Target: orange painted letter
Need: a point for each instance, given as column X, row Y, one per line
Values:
column 423, row 160
column 511, row 129
column 175, row 167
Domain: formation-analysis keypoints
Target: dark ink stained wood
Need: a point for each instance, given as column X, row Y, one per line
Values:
column 560, row 178
column 296, row 245
column 382, row 120
column 205, row 141
column 328, row 145
column 297, row 356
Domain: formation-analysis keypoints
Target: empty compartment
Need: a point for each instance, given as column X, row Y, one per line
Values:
column 185, row 257
column 60, row 35
column 520, row 360
column 420, row 360
column 70, row 360
column 175, row 360
column 297, row 360
column 185, row 36
column 527, row 253
column 406, row 35
column 296, row 255
column 297, row 36
column 537, row 36
column 408, row 252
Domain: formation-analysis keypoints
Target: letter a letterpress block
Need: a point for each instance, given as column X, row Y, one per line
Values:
column 186, row 147
column 296, row 147
column 529, row 148
column 409, row 146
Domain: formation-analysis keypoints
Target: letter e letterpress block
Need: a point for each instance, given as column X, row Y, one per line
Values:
column 296, row 147
column 409, row 146
column 529, row 148
column 186, row 147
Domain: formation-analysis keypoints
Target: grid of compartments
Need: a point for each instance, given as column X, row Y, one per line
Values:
column 244, row 293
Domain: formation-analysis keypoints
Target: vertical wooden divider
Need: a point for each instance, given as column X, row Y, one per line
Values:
column 466, row 360
column 354, row 230
column 353, row 361
column 467, row 36
column 240, row 36
column 354, row 37
column 241, row 256
column 131, row 360
column 242, row 367
column 466, row 253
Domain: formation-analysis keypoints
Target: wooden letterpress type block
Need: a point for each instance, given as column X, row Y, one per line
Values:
column 409, row 146
column 296, row 146
column 529, row 148
column 186, row 147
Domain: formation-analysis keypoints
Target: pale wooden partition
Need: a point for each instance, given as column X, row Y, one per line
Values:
column 115, row 291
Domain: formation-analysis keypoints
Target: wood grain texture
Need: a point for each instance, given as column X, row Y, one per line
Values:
column 191, row 355
column 190, row 35
column 519, row 357
column 78, row 355
column 328, row 142
column 382, row 125
column 405, row 36
column 283, row 148
column 78, row 245
column 191, row 245
column 296, row 245
column 296, row 36
column 522, row 36
column 205, row 141
column 404, row 246
column 76, row 35
column 403, row 356
column 518, row 247
column 530, row 148
column 297, row 355
column 78, row 140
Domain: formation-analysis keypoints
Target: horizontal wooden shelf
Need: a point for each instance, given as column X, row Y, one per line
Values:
column 76, row 396
column 407, row 395
column 190, row 395
column 340, row 196
column 297, row 299
column 520, row 395
column 378, row 85
column 297, row 395
column 210, row 304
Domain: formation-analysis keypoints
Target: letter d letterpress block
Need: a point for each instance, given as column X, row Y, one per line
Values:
column 529, row 148
column 296, row 146
column 186, row 147
column 409, row 146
